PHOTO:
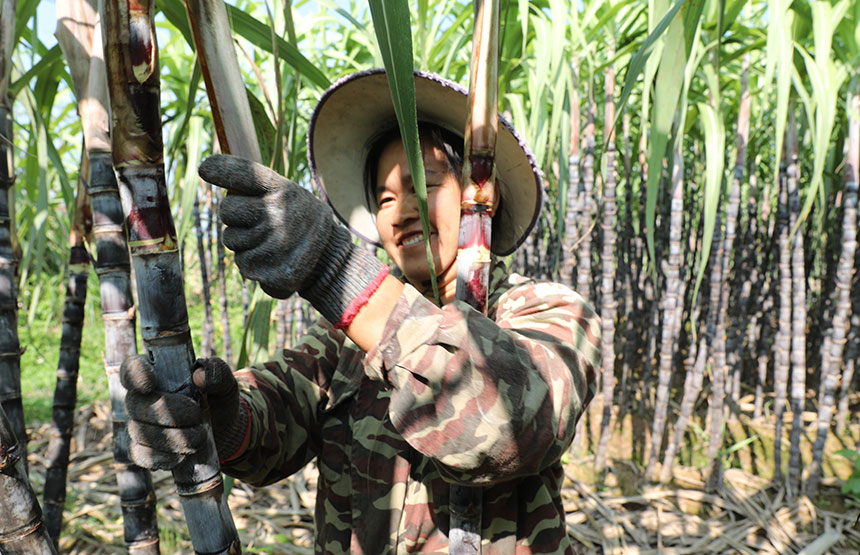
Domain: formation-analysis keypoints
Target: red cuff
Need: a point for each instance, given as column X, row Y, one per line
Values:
column 244, row 443
column 357, row 303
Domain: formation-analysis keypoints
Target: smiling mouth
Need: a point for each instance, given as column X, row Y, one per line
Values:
column 412, row 240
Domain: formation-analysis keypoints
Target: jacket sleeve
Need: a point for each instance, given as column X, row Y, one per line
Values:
column 490, row 399
column 285, row 398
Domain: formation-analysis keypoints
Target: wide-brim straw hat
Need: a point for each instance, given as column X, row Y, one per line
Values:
column 353, row 113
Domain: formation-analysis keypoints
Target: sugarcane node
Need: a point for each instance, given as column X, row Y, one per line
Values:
column 481, row 168
column 214, row 485
column 472, row 207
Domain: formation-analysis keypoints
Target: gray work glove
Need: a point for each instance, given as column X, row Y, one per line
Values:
column 167, row 427
column 286, row 239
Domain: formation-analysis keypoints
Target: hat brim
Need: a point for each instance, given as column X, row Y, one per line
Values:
column 356, row 109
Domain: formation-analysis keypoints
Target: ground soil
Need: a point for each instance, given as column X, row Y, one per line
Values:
column 616, row 512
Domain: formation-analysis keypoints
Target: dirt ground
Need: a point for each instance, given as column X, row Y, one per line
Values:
column 621, row 514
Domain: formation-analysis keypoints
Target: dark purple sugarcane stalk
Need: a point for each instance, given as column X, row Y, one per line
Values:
column 10, row 348
column 798, row 311
column 608, row 304
column 782, row 340
column 21, row 528
column 79, row 33
column 68, row 362
column 832, row 359
column 207, row 342
column 671, row 303
column 733, row 349
column 131, row 55
column 853, row 173
column 226, row 339
column 571, row 219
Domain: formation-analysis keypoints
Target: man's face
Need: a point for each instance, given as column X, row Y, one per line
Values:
column 397, row 218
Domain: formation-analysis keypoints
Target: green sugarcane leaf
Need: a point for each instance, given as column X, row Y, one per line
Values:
column 260, row 35
column 255, row 336
column 263, row 126
column 190, row 180
column 827, row 79
column 779, row 59
column 638, row 61
column 257, row 33
column 23, row 15
column 190, row 104
column 48, row 64
column 174, row 11
column 392, row 24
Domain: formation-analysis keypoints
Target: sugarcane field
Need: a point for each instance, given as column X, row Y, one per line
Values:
column 534, row 276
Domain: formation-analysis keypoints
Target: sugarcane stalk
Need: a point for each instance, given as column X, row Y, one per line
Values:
column 798, row 312
column 22, row 530
column 65, row 391
column 716, row 359
column 832, row 359
column 137, row 150
column 479, row 169
column 571, row 229
column 734, row 341
column 669, row 336
column 10, row 348
column 226, row 339
column 478, row 185
column 79, row 22
column 583, row 264
column 207, row 343
column 75, row 21
column 852, row 172
column 608, row 304
column 225, row 86
column 782, row 340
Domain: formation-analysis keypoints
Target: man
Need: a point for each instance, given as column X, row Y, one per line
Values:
column 395, row 397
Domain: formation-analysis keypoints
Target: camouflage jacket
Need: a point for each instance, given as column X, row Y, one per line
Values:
column 448, row 395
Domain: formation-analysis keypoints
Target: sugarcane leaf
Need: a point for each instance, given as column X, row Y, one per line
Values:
column 779, row 59
column 174, row 11
column 23, row 14
column 257, row 33
column 190, row 179
column 190, row 104
column 827, row 79
column 392, row 24
column 262, row 125
column 255, row 337
column 48, row 63
column 638, row 61
column 260, row 35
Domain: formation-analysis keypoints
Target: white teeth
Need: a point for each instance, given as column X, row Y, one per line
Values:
column 415, row 239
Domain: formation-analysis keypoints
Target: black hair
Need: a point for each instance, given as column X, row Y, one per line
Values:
column 430, row 134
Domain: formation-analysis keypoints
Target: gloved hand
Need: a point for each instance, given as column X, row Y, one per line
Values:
column 286, row 239
column 167, row 427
